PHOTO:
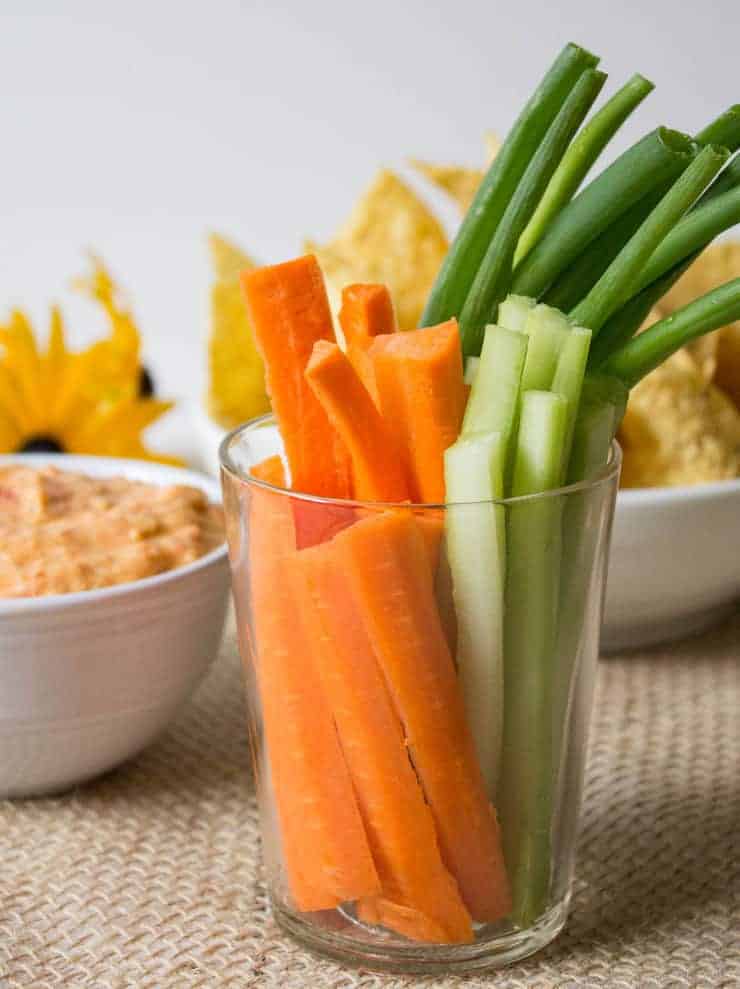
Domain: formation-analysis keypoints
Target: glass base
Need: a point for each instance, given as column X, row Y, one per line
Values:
column 364, row 946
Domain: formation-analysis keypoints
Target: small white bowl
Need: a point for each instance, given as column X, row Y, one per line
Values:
column 674, row 566
column 89, row 679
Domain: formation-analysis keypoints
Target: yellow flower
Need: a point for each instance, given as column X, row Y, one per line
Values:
column 54, row 399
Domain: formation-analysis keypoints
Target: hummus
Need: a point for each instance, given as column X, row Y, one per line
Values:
column 63, row 532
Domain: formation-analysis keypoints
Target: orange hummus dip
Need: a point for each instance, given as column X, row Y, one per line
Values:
column 62, row 532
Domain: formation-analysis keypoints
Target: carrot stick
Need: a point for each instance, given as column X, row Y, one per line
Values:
column 406, row 920
column 289, row 312
column 385, row 563
column 326, row 852
column 419, row 376
column 352, row 412
column 397, row 820
column 366, row 312
column 270, row 470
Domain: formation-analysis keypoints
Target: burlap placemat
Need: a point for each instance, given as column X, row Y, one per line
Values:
column 149, row 878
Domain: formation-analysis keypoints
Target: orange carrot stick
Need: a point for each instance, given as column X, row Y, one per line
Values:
column 419, row 377
column 289, row 312
column 397, row 819
column 270, row 470
column 352, row 412
column 326, row 852
column 366, row 312
column 385, row 562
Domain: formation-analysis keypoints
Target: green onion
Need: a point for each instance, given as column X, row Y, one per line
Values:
column 728, row 179
column 622, row 326
column 579, row 158
column 616, row 284
column 693, row 232
column 724, row 131
column 578, row 279
column 491, row 284
column 649, row 349
column 658, row 158
column 464, row 257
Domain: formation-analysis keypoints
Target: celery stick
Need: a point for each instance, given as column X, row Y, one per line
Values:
column 493, row 400
column 471, row 370
column 547, row 329
column 594, row 429
column 514, row 310
column 475, row 540
column 568, row 380
column 525, row 791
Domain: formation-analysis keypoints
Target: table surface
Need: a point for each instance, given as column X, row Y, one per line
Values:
column 149, row 877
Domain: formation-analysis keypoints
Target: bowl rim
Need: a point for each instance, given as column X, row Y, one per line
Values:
column 670, row 494
column 145, row 470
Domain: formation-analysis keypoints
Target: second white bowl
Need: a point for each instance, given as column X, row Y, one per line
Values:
column 89, row 679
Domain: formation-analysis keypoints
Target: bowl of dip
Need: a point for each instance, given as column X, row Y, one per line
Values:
column 114, row 585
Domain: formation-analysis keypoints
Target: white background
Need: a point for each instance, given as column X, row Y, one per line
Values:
column 136, row 127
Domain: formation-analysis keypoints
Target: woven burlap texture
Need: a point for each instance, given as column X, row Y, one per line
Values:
column 150, row 877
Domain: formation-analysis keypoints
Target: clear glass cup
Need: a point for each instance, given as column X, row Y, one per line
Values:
column 409, row 668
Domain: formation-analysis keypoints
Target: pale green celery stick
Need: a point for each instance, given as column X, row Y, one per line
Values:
column 471, row 370
column 547, row 329
column 514, row 310
column 493, row 400
column 525, row 792
column 601, row 408
column 568, row 380
column 476, row 550
column 594, row 429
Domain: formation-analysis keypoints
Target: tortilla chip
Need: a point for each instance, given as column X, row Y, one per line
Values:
column 236, row 389
column 460, row 184
column 727, row 375
column 390, row 237
column 679, row 429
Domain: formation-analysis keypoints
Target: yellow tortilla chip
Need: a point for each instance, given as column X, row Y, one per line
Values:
column 390, row 237
column 236, row 390
column 679, row 429
column 727, row 375
column 460, row 184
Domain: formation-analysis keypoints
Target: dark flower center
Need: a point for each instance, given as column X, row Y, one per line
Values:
column 41, row 444
column 146, row 383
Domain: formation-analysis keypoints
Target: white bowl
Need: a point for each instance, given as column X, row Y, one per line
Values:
column 89, row 679
column 674, row 566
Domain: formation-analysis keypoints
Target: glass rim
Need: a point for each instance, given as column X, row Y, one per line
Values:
column 608, row 473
